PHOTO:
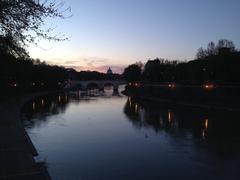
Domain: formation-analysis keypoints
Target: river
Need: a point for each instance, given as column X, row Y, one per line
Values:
column 100, row 136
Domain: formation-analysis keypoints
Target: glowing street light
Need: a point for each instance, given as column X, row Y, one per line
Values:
column 208, row 86
column 172, row 85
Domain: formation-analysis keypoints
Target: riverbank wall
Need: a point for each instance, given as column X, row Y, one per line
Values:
column 206, row 96
column 16, row 149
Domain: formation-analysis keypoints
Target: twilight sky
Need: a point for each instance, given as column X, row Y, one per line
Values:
column 116, row 33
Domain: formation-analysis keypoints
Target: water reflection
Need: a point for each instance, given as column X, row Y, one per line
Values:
column 38, row 110
column 217, row 128
column 106, row 137
column 200, row 123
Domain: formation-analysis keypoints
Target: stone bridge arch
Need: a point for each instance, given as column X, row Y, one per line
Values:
column 92, row 85
column 83, row 85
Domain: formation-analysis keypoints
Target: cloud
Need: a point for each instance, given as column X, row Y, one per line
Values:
column 90, row 61
column 71, row 62
column 91, row 64
column 115, row 68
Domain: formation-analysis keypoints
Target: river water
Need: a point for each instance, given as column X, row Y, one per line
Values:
column 100, row 136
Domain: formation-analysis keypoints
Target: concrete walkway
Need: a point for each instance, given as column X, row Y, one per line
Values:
column 16, row 149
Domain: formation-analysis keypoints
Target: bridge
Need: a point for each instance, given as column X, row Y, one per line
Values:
column 98, row 84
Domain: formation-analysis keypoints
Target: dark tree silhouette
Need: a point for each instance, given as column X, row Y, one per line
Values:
column 22, row 21
column 218, row 63
column 159, row 70
column 17, row 17
column 213, row 49
column 152, row 70
column 132, row 73
column 9, row 45
column 201, row 53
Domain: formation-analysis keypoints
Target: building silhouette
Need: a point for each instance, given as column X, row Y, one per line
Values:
column 109, row 71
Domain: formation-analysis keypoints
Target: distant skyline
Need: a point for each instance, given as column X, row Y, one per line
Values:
column 117, row 33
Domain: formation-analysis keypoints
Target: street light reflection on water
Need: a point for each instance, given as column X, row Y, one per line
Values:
column 117, row 137
column 42, row 102
column 33, row 106
column 170, row 116
column 206, row 123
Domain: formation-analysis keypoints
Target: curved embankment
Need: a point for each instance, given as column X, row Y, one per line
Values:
column 217, row 98
column 16, row 149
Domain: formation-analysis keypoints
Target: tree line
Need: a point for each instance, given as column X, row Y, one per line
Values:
column 217, row 63
column 21, row 23
column 27, row 74
column 91, row 75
